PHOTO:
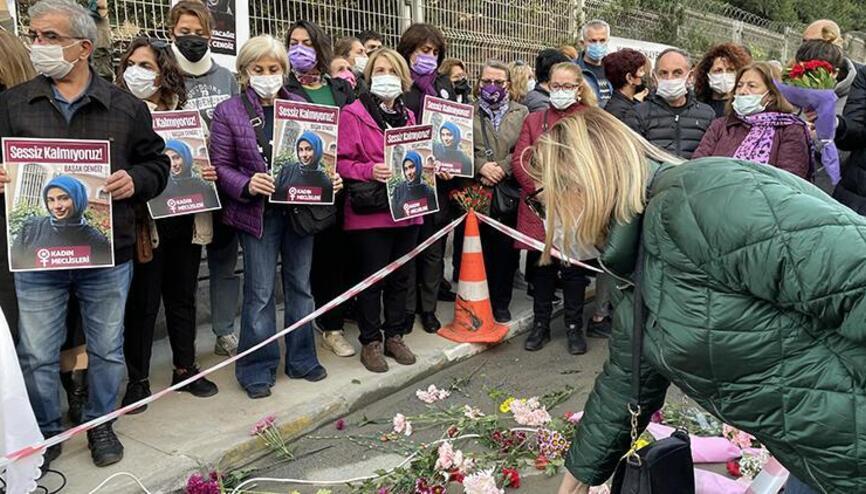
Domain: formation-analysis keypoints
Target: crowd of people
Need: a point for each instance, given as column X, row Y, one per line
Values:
column 725, row 105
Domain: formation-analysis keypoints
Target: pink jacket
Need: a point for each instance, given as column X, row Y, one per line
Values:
column 361, row 145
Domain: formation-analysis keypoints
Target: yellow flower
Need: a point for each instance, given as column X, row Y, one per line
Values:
column 505, row 406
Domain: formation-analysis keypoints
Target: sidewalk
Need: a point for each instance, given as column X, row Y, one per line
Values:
column 181, row 433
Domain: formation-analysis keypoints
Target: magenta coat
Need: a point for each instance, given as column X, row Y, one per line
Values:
column 361, row 145
column 533, row 127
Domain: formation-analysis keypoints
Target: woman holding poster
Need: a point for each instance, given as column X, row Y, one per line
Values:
column 378, row 238
column 168, row 250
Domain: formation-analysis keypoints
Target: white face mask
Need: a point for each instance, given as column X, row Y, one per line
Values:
column 563, row 98
column 266, row 86
column 671, row 89
column 360, row 64
column 48, row 60
column 749, row 104
column 722, row 83
column 140, row 81
column 386, row 86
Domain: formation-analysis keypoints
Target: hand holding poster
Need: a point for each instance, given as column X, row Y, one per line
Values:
column 452, row 139
column 304, row 153
column 59, row 215
column 185, row 145
column 412, row 187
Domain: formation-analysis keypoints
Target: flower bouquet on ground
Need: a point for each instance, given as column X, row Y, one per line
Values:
column 809, row 85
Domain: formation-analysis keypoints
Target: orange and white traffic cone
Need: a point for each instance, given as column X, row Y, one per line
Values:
column 473, row 314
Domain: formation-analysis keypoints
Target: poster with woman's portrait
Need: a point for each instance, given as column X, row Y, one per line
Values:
column 58, row 213
column 412, row 187
column 304, row 156
column 185, row 145
column 453, row 147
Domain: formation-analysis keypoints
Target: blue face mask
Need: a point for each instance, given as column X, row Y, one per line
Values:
column 596, row 51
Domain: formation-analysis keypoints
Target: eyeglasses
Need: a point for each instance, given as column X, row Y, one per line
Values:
column 567, row 87
column 535, row 205
column 497, row 83
column 49, row 37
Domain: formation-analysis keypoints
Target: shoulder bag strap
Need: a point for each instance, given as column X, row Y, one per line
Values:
column 488, row 152
column 259, row 127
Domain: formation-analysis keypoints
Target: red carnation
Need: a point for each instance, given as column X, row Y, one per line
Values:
column 796, row 71
column 512, row 477
column 734, row 468
column 456, row 476
column 541, row 462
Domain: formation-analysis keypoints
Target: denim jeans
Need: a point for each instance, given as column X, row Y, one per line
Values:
column 259, row 312
column 42, row 299
column 795, row 486
column 222, row 259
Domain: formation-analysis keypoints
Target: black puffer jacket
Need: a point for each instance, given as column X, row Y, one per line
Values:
column 676, row 130
column 624, row 109
column 851, row 136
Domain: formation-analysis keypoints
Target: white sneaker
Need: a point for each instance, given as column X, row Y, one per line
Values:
column 337, row 343
column 226, row 346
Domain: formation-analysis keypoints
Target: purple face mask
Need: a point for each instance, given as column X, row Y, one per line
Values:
column 493, row 94
column 424, row 64
column 302, row 58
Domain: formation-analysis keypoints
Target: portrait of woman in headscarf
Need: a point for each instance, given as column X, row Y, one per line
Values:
column 413, row 189
column 182, row 181
column 447, row 149
column 307, row 171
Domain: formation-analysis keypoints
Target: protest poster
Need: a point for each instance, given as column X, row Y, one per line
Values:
column 412, row 187
column 304, row 155
column 185, row 145
column 8, row 21
column 58, row 213
column 452, row 139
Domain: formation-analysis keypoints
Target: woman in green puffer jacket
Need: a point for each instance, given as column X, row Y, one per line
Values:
column 755, row 289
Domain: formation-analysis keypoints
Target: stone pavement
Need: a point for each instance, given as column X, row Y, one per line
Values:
column 180, row 433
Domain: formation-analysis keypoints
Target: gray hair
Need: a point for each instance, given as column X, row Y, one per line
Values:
column 257, row 48
column 594, row 24
column 683, row 53
column 81, row 24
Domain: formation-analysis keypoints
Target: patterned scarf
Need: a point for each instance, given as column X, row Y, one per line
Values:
column 758, row 143
column 311, row 78
column 495, row 112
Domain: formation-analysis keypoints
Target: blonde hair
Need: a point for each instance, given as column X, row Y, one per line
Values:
column 594, row 169
column 257, row 48
column 586, row 94
column 16, row 67
column 830, row 32
column 397, row 61
column 519, row 73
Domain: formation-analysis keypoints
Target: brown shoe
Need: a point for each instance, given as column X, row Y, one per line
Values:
column 372, row 357
column 396, row 349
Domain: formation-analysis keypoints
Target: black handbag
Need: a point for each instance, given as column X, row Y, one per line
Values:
column 665, row 466
column 506, row 194
column 304, row 219
column 367, row 197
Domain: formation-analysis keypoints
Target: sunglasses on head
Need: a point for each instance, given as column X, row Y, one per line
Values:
column 155, row 43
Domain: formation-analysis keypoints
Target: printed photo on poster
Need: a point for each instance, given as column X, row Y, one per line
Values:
column 186, row 147
column 452, row 135
column 304, row 156
column 58, row 213
column 412, row 187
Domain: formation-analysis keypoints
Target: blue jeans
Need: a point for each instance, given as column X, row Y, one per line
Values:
column 795, row 486
column 42, row 300
column 259, row 312
column 224, row 283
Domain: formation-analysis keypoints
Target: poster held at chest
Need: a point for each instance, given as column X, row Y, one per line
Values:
column 412, row 187
column 452, row 135
column 58, row 213
column 304, row 152
column 185, row 145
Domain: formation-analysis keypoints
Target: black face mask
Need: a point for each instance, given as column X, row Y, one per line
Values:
column 192, row 47
column 462, row 87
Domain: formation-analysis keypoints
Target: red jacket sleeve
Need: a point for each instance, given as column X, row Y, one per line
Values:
column 523, row 142
column 794, row 154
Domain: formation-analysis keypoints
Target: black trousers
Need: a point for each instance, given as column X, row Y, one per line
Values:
column 171, row 277
column 501, row 260
column 328, row 275
column 376, row 249
column 426, row 270
column 574, row 283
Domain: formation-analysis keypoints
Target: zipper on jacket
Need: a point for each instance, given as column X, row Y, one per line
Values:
column 677, row 137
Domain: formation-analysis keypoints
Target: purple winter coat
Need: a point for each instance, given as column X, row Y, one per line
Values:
column 234, row 151
column 361, row 145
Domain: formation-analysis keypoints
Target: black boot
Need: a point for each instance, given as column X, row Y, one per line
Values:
column 429, row 322
column 105, row 448
column 75, row 384
column 538, row 337
column 576, row 340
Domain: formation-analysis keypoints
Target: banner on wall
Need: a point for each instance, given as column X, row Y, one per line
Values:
column 231, row 29
column 649, row 49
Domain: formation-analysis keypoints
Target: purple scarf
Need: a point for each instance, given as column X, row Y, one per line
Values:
column 758, row 143
column 425, row 82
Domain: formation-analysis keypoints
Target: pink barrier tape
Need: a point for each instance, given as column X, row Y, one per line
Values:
column 360, row 287
column 535, row 244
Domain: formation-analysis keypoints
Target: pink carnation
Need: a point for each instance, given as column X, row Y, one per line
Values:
column 481, row 483
column 529, row 412
column 262, row 425
column 401, row 425
column 432, row 394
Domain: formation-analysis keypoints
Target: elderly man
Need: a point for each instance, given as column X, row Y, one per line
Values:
column 70, row 101
column 595, row 35
column 673, row 119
